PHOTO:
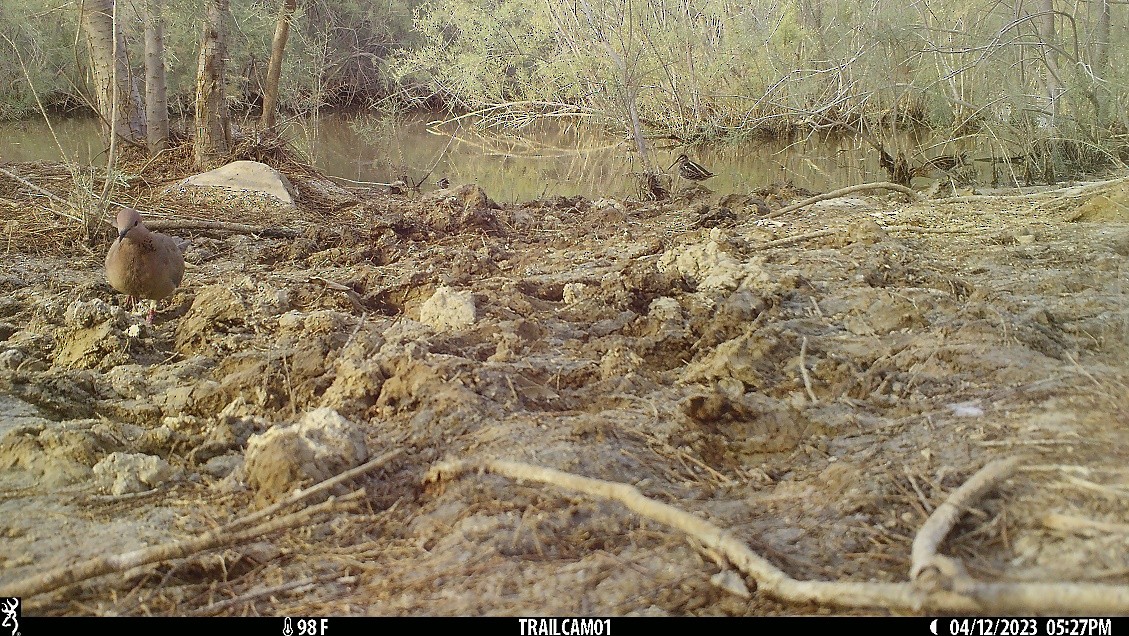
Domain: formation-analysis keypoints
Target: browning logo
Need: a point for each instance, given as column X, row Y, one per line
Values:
column 10, row 608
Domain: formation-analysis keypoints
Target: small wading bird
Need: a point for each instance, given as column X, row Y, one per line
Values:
column 141, row 263
column 690, row 169
column 944, row 163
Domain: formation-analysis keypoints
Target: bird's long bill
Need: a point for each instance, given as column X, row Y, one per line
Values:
column 673, row 164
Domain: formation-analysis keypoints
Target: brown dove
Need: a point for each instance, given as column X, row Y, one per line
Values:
column 141, row 263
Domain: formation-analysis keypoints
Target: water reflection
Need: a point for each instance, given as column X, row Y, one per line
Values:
column 31, row 140
column 555, row 159
column 548, row 159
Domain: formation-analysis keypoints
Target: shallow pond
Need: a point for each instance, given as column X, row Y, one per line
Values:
column 512, row 165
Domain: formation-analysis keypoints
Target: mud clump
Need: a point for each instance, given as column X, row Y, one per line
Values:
column 318, row 446
column 96, row 336
column 126, row 473
column 448, row 310
column 53, row 455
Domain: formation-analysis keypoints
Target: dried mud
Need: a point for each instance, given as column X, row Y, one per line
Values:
column 659, row 345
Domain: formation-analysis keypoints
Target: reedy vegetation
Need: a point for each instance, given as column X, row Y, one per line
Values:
column 694, row 69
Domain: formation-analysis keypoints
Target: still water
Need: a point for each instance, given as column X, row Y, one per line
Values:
column 511, row 165
column 559, row 159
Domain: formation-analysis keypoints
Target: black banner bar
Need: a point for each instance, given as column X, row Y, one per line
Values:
column 564, row 626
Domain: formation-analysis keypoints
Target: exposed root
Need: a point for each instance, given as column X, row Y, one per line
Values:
column 929, row 567
column 985, row 598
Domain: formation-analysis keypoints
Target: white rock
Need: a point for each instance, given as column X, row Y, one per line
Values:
column 246, row 176
column 318, row 446
column 11, row 359
column 574, row 292
column 706, row 263
column 665, row 308
column 124, row 473
column 448, row 310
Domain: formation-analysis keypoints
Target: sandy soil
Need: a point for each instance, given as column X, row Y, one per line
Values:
column 658, row 345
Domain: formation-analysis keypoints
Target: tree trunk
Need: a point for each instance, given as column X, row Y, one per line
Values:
column 274, row 70
column 811, row 19
column 156, row 101
column 1053, row 83
column 1100, row 66
column 213, row 121
column 1101, row 39
column 110, row 66
column 1046, row 26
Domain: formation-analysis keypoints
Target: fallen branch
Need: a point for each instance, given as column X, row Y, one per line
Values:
column 1068, row 192
column 238, row 228
column 799, row 238
column 932, row 230
column 834, row 194
column 986, row 598
column 1083, row 526
column 227, row 534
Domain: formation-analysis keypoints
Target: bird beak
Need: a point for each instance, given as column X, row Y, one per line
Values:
column 122, row 233
column 672, row 165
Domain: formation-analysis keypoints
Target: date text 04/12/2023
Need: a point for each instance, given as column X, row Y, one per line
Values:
column 565, row 626
column 1030, row 627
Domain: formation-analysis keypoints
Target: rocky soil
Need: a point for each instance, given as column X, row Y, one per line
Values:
column 817, row 397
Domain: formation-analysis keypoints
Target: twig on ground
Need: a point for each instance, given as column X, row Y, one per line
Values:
column 834, row 194
column 804, row 371
column 1082, row 525
column 292, row 586
column 917, row 490
column 932, row 230
column 223, row 536
column 1060, row 193
column 353, row 296
column 925, row 560
column 797, row 238
column 227, row 534
column 299, row 496
column 1108, row 491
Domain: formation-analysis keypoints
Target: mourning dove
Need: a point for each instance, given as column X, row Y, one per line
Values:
column 141, row 263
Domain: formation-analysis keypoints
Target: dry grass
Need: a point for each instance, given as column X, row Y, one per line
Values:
column 47, row 207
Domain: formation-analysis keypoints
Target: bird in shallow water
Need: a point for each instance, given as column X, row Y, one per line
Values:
column 690, row 169
column 141, row 263
column 944, row 163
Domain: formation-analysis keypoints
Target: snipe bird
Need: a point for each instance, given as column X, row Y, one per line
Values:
column 944, row 163
column 690, row 169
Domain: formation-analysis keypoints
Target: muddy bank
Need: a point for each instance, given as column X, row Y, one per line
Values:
column 817, row 398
